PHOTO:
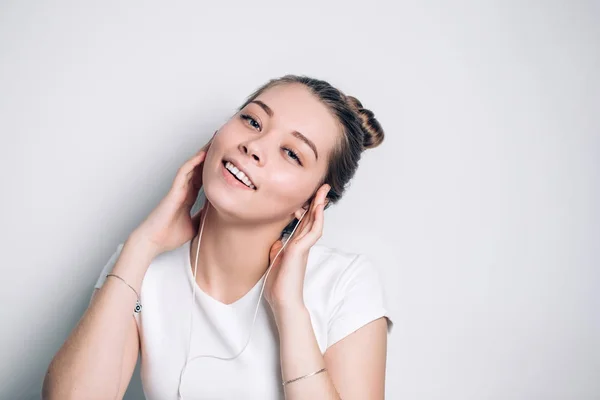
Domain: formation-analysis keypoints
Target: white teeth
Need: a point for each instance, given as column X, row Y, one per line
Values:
column 239, row 174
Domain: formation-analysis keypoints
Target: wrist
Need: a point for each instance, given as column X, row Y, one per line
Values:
column 143, row 245
column 133, row 261
column 288, row 313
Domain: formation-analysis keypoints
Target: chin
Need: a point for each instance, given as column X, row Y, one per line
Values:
column 235, row 202
column 230, row 202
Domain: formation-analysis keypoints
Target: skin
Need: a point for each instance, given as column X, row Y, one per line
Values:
column 242, row 229
column 240, row 238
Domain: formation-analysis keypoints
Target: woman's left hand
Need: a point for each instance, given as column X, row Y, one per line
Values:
column 285, row 282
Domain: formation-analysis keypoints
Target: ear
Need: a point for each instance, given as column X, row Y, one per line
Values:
column 298, row 213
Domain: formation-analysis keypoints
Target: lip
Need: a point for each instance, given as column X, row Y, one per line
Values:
column 237, row 165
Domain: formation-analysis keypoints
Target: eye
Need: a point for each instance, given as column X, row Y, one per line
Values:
column 292, row 155
column 251, row 121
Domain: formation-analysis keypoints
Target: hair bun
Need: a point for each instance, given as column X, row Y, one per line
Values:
column 373, row 132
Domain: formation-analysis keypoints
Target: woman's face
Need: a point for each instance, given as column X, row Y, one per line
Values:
column 282, row 142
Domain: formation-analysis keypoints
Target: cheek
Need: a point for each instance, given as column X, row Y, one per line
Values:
column 286, row 188
column 223, row 137
column 221, row 142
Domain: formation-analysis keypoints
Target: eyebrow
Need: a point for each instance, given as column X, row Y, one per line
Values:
column 296, row 134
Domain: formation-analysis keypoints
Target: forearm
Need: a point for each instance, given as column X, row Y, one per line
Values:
column 300, row 355
column 89, row 362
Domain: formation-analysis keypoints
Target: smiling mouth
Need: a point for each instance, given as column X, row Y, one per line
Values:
column 239, row 175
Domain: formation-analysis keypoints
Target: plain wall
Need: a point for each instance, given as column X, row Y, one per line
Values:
column 480, row 208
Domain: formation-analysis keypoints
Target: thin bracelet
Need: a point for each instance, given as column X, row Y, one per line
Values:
column 305, row 376
column 138, row 305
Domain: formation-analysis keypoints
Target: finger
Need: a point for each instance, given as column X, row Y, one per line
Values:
column 318, row 200
column 305, row 229
column 193, row 162
column 198, row 165
column 195, row 176
column 300, row 227
column 311, row 213
column 323, row 192
column 313, row 217
column 185, row 171
column 314, row 230
column 307, row 221
column 298, row 230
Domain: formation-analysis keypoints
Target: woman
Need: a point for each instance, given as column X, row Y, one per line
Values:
column 228, row 308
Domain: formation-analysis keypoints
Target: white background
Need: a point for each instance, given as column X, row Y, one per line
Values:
column 480, row 207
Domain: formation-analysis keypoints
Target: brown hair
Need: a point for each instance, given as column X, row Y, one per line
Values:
column 360, row 131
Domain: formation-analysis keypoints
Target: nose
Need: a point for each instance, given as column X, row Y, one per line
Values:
column 254, row 150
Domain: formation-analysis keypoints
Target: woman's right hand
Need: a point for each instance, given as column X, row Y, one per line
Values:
column 170, row 225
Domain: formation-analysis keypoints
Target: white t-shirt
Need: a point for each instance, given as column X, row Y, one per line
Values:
column 342, row 292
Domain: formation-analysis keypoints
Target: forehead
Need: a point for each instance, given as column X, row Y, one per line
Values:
column 296, row 108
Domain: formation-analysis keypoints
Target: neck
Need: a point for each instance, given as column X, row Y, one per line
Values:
column 233, row 257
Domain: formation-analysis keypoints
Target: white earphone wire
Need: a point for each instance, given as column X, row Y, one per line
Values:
column 194, row 296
